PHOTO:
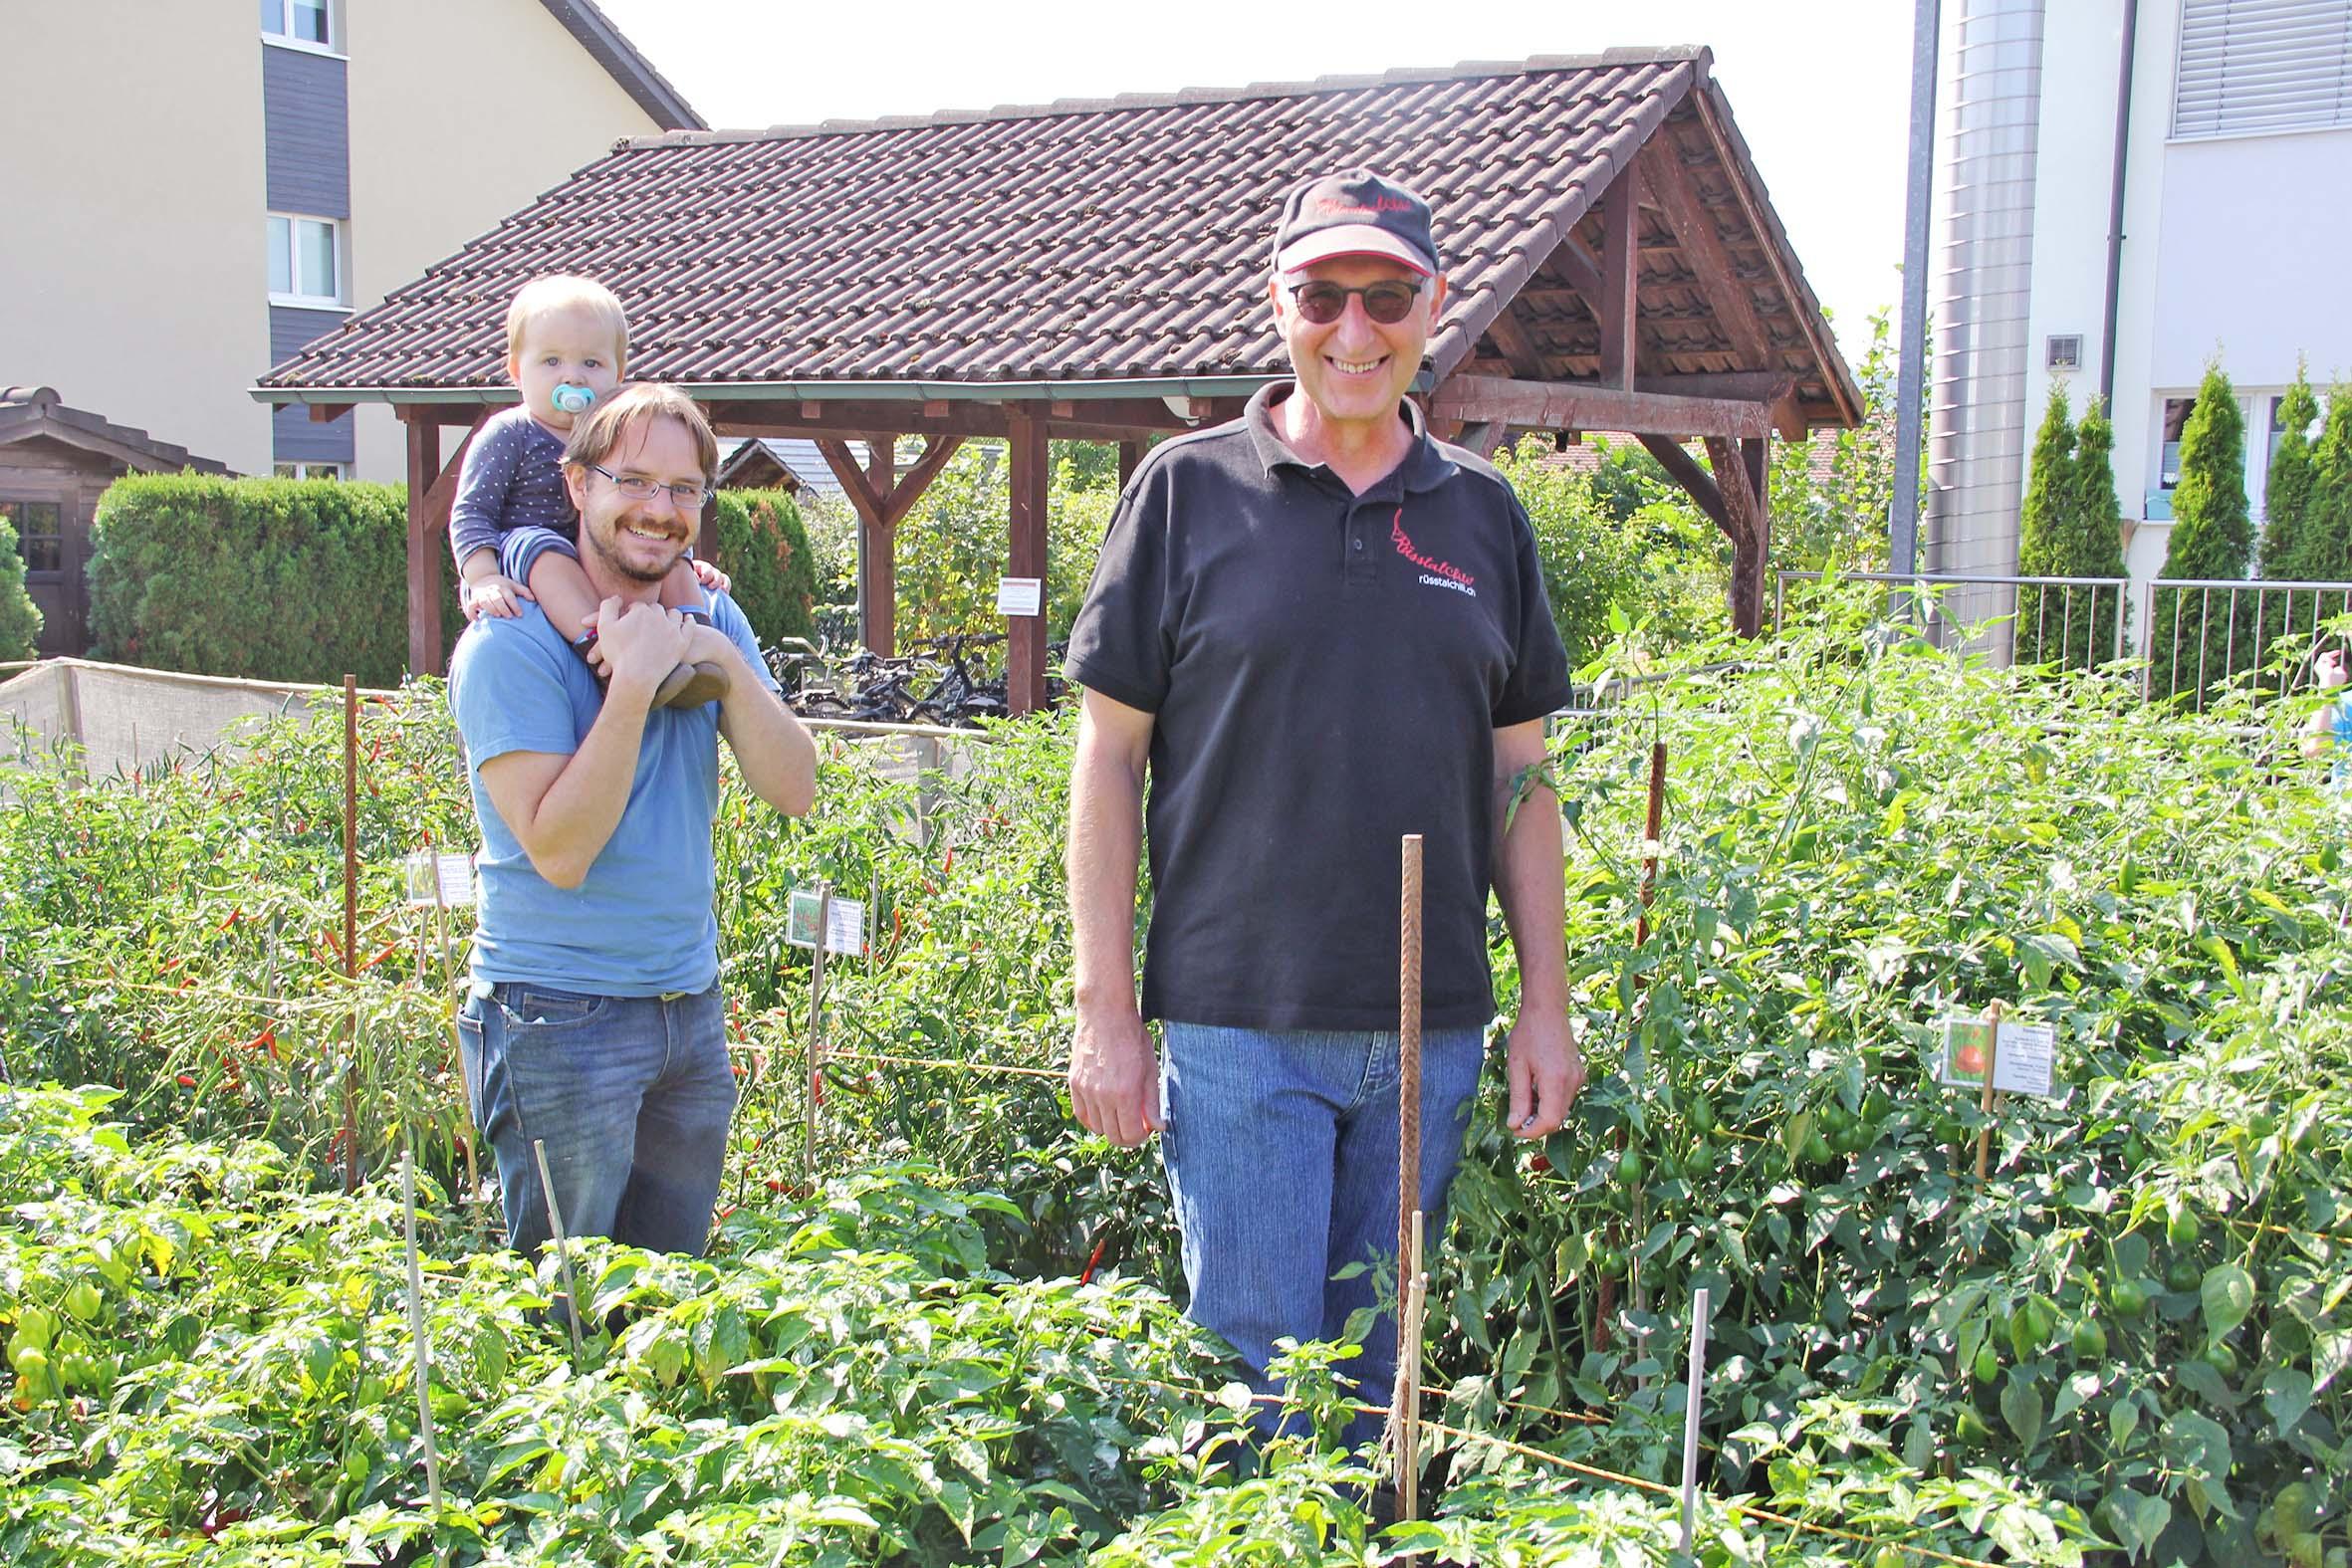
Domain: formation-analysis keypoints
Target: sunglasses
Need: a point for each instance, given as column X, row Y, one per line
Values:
column 1387, row 302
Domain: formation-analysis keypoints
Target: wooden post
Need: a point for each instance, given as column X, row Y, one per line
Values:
column 1693, row 1399
column 825, row 918
column 1653, row 825
column 1130, row 459
column 350, row 929
column 425, row 545
column 1986, row 1098
column 1620, row 281
column 1025, row 636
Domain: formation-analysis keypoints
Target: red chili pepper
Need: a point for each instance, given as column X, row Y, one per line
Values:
column 949, row 864
column 387, row 951
column 1086, row 1275
column 187, row 1080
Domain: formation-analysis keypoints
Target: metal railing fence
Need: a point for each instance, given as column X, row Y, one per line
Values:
column 2193, row 635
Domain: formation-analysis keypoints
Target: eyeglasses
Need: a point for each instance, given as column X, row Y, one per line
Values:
column 1387, row 302
column 686, row 498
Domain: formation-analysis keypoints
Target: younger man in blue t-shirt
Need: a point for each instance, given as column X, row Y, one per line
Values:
column 595, row 1024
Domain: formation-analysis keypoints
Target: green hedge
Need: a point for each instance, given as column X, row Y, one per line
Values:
column 20, row 617
column 764, row 548
column 307, row 580
column 270, row 578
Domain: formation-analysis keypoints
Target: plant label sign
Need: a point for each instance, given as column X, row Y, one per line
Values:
column 2022, row 1064
column 1020, row 596
column 451, row 874
column 844, row 930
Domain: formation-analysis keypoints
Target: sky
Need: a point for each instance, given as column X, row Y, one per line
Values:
column 1821, row 92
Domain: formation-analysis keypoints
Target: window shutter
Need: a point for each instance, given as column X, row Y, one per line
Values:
column 2247, row 67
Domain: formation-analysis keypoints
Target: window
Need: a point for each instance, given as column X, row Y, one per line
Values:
column 2278, row 412
column 306, row 260
column 39, row 532
column 308, row 470
column 2168, row 464
column 2251, row 67
column 298, row 21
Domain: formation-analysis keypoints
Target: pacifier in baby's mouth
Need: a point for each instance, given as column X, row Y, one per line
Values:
column 572, row 399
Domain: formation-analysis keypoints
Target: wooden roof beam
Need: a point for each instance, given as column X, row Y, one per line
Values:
column 1512, row 339
column 1569, row 405
column 1620, row 281
column 1660, row 168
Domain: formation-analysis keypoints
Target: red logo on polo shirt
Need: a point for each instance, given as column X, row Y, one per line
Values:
column 1436, row 574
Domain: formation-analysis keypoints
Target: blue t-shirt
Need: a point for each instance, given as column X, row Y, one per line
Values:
column 642, row 923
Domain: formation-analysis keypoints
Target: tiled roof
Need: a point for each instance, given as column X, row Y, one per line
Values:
column 1079, row 242
column 27, row 412
column 799, row 458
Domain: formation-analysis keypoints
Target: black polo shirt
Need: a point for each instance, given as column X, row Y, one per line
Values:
column 1327, row 672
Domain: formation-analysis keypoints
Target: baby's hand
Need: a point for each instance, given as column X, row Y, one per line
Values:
column 493, row 595
column 713, row 578
column 2330, row 668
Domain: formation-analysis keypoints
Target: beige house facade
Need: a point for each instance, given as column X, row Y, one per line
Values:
column 194, row 197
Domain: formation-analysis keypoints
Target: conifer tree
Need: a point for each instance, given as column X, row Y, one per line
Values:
column 2325, row 531
column 2042, row 531
column 2095, row 540
column 2287, row 495
column 2196, row 632
column 2286, row 542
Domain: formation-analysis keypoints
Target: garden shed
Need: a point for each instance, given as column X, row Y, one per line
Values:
column 55, row 462
column 1096, row 270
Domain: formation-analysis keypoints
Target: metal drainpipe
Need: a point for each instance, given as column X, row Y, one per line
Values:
column 2123, row 138
column 1911, row 364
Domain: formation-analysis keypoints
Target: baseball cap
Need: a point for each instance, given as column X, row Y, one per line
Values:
column 1356, row 213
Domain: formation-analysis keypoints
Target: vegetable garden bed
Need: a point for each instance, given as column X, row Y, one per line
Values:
column 2129, row 1342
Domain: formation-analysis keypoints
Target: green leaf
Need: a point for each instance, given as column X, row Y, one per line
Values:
column 2286, row 1395
column 2123, row 1419
column 2229, row 1294
column 2022, row 1407
column 2137, row 1520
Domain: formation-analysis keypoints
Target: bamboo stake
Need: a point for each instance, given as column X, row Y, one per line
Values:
column 824, row 916
column 1986, row 1100
column 554, row 1220
column 424, row 1354
column 1693, row 1399
column 350, row 927
column 1653, row 824
column 465, row 1087
column 1413, row 1304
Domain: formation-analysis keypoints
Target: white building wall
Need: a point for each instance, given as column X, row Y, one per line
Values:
column 462, row 111
column 2082, row 44
column 134, row 278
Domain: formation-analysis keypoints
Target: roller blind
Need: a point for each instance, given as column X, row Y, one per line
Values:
column 2254, row 66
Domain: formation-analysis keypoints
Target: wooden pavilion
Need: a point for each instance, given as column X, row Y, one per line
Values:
column 1097, row 270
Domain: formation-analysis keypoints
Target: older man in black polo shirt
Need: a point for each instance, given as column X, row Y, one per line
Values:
column 1318, row 630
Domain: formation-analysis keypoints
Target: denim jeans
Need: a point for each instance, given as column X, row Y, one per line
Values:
column 631, row 1096
column 1282, row 1155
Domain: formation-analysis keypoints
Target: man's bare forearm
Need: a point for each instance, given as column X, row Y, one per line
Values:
column 1106, row 847
column 575, row 817
column 1530, row 882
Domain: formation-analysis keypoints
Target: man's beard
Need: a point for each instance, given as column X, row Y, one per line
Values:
column 608, row 549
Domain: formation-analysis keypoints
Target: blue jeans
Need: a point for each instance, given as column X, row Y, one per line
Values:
column 1281, row 1155
column 631, row 1096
